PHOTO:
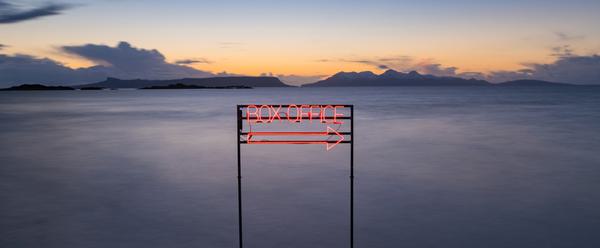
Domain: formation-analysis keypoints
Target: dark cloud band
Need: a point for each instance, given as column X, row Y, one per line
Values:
column 193, row 61
column 126, row 61
column 122, row 61
column 10, row 14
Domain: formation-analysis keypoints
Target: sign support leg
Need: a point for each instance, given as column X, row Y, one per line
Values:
column 352, row 177
column 239, row 173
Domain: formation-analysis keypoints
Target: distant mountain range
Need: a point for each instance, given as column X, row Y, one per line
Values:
column 341, row 79
column 201, row 82
column 413, row 78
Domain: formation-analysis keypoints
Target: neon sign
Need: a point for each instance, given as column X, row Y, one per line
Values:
column 305, row 118
column 292, row 113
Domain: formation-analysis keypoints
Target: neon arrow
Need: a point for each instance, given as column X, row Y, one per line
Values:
column 329, row 144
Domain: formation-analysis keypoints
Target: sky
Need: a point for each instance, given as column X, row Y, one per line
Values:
column 300, row 41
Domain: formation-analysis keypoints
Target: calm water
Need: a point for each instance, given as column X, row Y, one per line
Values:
column 435, row 167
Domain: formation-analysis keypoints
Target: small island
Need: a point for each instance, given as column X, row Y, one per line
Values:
column 92, row 88
column 36, row 87
column 187, row 86
column 531, row 83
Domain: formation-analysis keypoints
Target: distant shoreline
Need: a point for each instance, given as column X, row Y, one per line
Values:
column 186, row 86
column 41, row 87
column 22, row 88
column 324, row 84
column 36, row 87
column 389, row 78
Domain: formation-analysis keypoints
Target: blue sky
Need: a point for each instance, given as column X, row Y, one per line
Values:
column 317, row 38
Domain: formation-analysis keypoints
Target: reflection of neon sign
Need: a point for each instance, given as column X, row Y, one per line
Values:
column 294, row 115
column 295, row 124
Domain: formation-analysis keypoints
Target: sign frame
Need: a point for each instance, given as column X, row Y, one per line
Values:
column 329, row 132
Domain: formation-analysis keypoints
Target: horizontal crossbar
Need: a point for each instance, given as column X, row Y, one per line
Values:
column 294, row 142
column 288, row 105
column 298, row 118
column 294, row 133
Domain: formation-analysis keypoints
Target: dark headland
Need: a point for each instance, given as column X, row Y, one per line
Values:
column 211, row 82
column 36, row 87
column 92, row 88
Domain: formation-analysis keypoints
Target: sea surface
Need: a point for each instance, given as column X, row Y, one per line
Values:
column 434, row 167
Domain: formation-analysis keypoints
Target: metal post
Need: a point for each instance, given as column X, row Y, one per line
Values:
column 239, row 171
column 352, row 177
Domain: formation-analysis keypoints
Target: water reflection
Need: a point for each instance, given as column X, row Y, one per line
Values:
column 436, row 167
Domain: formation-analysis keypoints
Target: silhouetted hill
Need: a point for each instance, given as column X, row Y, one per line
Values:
column 206, row 82
column 29, row 87
column 92, row 88
column 529, row 82
column 394, row 78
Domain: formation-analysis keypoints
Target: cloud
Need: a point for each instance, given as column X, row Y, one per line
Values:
column 378, row 63
column 567, row 69
column 193, row 61
column 375, row 64
column 292, row 79
column 19, row 69
column 229, row 74
column 562, row 51
column 2, row 46
column 122, row 61
column 408, row 63
column 126, row 61
column 562, row 36
column 231, row 44
column 435, row 69
column 9, row 13
column 402, row 63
